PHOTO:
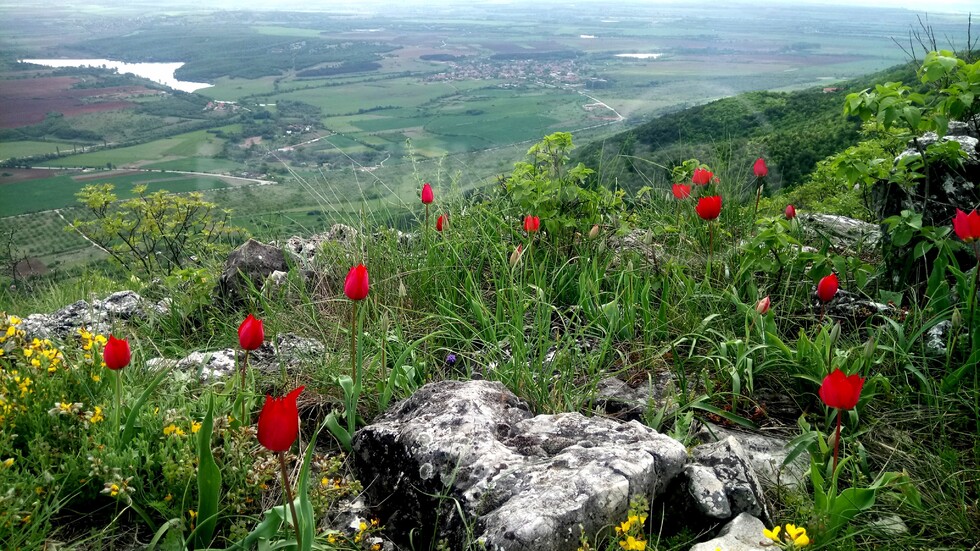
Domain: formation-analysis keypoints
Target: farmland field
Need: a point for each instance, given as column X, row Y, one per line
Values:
column 58, row 191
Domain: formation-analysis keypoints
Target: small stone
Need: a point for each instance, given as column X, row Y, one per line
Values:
column 743, row 533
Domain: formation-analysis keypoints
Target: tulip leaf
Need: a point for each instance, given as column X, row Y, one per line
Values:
column 339, row 432
column 208, row 482
column 304, row 511
column 130, row 429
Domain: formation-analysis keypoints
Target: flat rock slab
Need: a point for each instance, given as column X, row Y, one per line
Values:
column 523, row 482
column 743, row 533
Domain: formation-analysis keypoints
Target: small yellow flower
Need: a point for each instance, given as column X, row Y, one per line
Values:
column 331, row 538
column 362, row 526
column 324, row 481
column 96, row 377
column 114, row 490
column 801, row 541
column 192, row 513
column 633, row 544
column 28, row 352
column 9, row 462
column 376, row 547
column 168, row 498
column 797, row 535
column 173, row 430
column 195, row 426
column 772, row 534
column 374, row 522
column 96, row 415
column 14, row 320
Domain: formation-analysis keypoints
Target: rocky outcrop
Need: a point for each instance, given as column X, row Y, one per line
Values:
column 98, row 316
column 287, row 351
column 766, row 454
column 524, row 482
column 248, row 266
column 843, row 233
column 463, row 460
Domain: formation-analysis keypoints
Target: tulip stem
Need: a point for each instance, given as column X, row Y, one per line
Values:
column 353, row 344
column 755, row 211
column 242, row 369
column 711, row 247
column 116, row 411
column 289, row 497
column 836, row 443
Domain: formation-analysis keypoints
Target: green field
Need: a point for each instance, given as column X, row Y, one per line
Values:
column 59, row 191
column 192, row 144
column 27, row 148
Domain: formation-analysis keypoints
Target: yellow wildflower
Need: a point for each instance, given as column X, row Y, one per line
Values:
column 97, row 415
column 374, row 522
column 324, row 481
column 11, row 331
column 28, row 352
column 362, row 526
column 114, row 490
column 772, row 534
column 168, row 498
column 331, row 538
column 376, row 547
column 195, row 426
column 192, row 513
column 797, row 535
column 9, row 462
column 96, row 377
column 633, row 544
column 14, row 320
column 172, row 430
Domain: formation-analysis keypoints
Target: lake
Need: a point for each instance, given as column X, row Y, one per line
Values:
column 161, row 73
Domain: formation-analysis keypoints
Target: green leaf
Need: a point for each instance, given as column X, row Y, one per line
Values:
column 208, row 482
column 340, row 433
column 130, row 428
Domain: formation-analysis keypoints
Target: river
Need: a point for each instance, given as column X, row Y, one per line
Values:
column 162, row 73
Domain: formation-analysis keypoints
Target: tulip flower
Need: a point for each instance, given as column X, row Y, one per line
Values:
column 702, row 176
column 762, row 307
column 279, row 422
column 440, row 221
column 827, row 288
column 250, row 333
column 356, row 285
column 277, row 430
column 967, row 228
column 356, row 288
column 427, row 198
column 681, row 191
column 841, row 392
column 760, row 169
column 708, row 208
column 594, row 232
column 532, row 223
column 790, row 212
column 116, row 354
column 250, row 336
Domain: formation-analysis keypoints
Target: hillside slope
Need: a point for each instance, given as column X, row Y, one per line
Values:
column 792, row 130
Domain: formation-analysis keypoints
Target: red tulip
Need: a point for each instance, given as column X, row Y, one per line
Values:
column 709, row 208
column 279, row 422
column 427, row 196
column 762, row 307
column 681, row 191
column 967, row 226
column 116, row 354
column 532, row 223
column 250, row 333
column 702, row 176
column 356, row 286
column 790, row 212
column 827, row 288
column 440, row 221
column 760, row 169
column 841, row 391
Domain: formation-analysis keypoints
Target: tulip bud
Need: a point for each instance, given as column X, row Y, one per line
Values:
column 834, row 334
column 251, row 333
column 594, row 232
column 762, row 307
column 427, row 196
column 402, row 291
column 515, row 256
column 648, row 238
column 356, row 286
column 116, row 354
column 957, row 319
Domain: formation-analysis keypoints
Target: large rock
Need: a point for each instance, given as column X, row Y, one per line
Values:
column 743, row 533
column 305, row 249
column 732, row 467
column 766, row 454
column 842, row 232
column 522, row 482
column 97, row 316
column 247, row 267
